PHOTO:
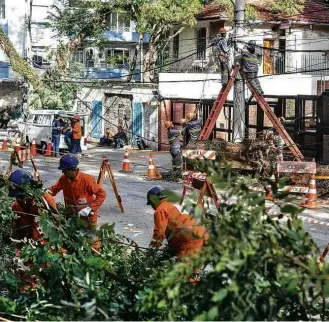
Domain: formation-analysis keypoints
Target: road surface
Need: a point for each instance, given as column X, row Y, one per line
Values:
column 137, row 221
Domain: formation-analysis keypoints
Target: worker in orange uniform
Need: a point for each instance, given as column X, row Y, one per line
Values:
column 26, row 206
column 25, row 226
column 76, row 136
column 82, row 195
column 184, row 235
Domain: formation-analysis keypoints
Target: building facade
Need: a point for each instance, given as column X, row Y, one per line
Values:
column 295, row 63
column 105, row 93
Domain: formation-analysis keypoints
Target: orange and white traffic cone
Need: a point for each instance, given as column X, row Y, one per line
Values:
column 4, row 145
column 268, row 188
column 49, row 149
column 126, row 164
column 151, row 169
column 312, row 197
column 34, row 148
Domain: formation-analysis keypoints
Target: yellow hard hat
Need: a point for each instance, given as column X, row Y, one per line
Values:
column 168, row 124
column 190, row 116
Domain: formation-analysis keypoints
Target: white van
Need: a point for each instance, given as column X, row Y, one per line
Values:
column 38, row 126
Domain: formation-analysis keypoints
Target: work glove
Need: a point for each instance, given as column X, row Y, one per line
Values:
column 85, row 212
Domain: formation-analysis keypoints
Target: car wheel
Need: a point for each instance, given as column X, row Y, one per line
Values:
column 43, row 147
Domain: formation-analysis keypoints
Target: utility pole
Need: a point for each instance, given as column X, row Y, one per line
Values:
column 141, row 48
column 239, row 85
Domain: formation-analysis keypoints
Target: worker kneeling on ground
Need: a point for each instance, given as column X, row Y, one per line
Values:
column 184, row 235
column 82, row 195
column 194, row 127
column 175, row 147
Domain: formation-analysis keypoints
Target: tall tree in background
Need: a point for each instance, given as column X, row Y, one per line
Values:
column 156, row 18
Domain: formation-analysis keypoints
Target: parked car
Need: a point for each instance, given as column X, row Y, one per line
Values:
column 38, row 126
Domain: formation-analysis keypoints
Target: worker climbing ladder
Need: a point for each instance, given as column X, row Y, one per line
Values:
column 219, row 104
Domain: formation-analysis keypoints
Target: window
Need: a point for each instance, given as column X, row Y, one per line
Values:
column 118, row 23
column 43, row 120
column 90, row 57
column 201, row 43
column 118, row 58
column 39, row 57
column 2, row 9
column 78, row 56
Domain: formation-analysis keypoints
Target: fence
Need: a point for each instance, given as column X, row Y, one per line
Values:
column 307, row 120
column 313, row 63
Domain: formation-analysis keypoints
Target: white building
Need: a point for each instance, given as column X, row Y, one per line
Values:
column 295, row 63
column 110, row 105
column 291, row 39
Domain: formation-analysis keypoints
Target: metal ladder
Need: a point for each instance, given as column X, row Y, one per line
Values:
column 219, row 104
column 276, row 123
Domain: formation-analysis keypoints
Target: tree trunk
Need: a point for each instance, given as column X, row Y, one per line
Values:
column 64, row 52
column 133, row 64
column 18, row 64
column 150, row 59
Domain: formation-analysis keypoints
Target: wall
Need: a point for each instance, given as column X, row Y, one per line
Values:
column 164, row 115
column 151, row 125
column 118, row 106
column 207, row 86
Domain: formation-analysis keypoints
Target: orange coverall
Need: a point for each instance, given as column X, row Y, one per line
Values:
column 79, row 193
column 76, row 131
column 25, row 225
column 185, row 236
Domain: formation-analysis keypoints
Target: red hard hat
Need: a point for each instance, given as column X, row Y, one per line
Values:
column 222, row 31
column 76, row 117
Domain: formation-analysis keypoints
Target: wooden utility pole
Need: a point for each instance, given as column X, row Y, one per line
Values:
column 239, row 85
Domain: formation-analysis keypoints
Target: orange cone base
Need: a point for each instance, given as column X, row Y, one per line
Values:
column 126, row 171
column 310, row 205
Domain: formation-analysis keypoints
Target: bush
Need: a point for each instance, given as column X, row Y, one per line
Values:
column 254, row 267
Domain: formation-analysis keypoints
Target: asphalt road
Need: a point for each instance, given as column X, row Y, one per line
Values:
column 137, row 220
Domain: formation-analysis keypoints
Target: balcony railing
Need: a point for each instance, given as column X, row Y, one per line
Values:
column 313, row 63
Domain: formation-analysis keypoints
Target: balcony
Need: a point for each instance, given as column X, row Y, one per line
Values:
column 123, row 35
column 313, row 63
column 113, row 73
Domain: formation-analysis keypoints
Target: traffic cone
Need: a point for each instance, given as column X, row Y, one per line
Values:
column 49, row 149
column 268, row 188
column 126, row 164
column 312, row 197
column 4, row 145
column 34, row 148
column 152, row 171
